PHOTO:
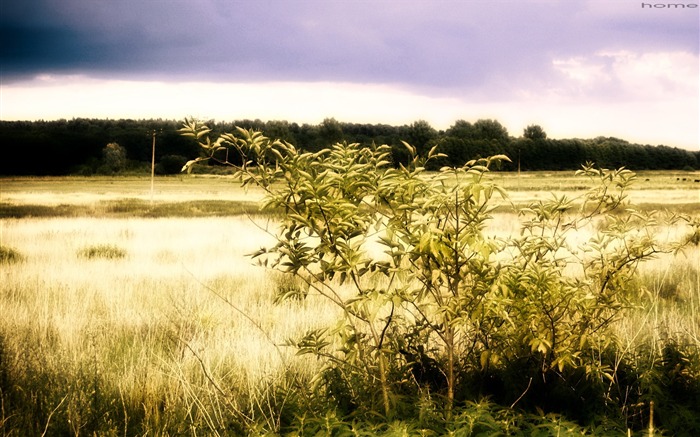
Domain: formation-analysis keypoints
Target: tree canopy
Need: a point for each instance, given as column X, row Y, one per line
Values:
column 77, row 146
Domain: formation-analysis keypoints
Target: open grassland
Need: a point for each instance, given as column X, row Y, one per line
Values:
column 679, row 191
column 127, row 315
column 199, row 196
column 126, row 343
column 202, row 195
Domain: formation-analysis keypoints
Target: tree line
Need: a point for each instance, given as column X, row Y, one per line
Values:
column 103, row 146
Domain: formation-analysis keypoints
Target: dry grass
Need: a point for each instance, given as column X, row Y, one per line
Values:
column 138, row 330
column 53, row 191
column 182, row 332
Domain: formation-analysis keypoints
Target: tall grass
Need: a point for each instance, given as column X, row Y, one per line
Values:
column 146, row 343
column 183, row 335
column 660, row 338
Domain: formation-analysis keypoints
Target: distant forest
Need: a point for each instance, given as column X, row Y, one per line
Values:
column 95, row 146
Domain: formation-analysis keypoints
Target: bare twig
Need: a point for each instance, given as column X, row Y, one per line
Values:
column 522, row 395
column 48, row 420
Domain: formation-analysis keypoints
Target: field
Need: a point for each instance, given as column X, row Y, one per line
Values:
column 132, row 312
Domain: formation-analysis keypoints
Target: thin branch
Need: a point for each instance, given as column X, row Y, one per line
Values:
column 48, row 420
column 523, row 394
column 245, row 315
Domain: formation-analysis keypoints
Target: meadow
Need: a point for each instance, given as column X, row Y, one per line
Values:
column 131, row 312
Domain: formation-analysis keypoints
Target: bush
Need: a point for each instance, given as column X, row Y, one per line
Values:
column 434, row 307
column 170, row 164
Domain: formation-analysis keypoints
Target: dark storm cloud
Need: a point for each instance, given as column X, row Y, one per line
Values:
column 438, row 44
column 27, row 48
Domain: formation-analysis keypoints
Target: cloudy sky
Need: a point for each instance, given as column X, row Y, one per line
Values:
column 578, row 68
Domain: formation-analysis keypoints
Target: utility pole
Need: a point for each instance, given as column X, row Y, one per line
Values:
column 153, row 165
column 518, row 167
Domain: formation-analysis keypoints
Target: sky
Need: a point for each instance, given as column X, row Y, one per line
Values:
column 578, row 68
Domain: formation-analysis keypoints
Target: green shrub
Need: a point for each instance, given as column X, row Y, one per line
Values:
column 170, row 164
column 105, row 251
column 433, row 306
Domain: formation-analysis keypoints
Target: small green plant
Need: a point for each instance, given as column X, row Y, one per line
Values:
column 693, row 236
column 103, row 251
column 9, row 255
column 430, row 301
column 288, row 287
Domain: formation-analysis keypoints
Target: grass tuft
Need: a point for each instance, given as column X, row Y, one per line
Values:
column 9, row 255
column 104, row 251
